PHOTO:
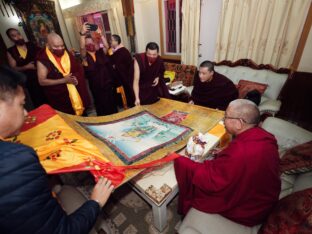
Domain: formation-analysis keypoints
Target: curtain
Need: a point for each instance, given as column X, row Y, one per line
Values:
column 190, row 31
column 265, row 31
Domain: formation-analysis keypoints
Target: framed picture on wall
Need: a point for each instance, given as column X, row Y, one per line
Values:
column 39, row 19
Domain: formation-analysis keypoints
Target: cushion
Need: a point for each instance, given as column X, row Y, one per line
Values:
column 245, row 86
column 297, row 159
column 170, row 75
column 293, row 214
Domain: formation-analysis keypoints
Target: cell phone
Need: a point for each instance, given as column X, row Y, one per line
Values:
column 92, row 27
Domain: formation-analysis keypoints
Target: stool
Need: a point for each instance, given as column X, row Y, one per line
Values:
column 121, row 90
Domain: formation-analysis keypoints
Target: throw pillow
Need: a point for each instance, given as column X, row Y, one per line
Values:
column 292, row 215
column 245, row 86
column 297, row 159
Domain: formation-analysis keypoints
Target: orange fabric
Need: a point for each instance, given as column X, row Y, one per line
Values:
column 219, row 131
column 110, row 51
column 245, row 86
column 92, row 54
column 58, row 60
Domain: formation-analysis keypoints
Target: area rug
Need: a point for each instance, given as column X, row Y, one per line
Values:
column 125, row 212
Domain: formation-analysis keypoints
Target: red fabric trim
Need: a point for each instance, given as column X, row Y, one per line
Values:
column 38, row 116
column 115, row 173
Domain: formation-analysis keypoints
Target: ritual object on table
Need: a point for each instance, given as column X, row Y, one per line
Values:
column 196, row 148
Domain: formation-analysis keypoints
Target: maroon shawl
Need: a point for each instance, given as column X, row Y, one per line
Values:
column 217, row 93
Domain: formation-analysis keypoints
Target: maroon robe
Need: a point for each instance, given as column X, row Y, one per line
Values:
column 123, row 68
column 147, row 93
column 100, row 76
column 57, row 95
column 241, row 184
column 217, row 93
column 32, row 84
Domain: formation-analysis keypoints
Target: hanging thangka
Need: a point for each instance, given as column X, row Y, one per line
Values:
column 39, row 18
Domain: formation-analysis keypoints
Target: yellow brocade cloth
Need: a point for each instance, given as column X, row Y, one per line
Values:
column 63, row 145
column 74, row 96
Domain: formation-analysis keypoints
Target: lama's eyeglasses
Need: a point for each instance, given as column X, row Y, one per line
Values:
column 228, row 117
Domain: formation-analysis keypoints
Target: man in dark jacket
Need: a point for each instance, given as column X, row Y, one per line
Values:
column 26, row 202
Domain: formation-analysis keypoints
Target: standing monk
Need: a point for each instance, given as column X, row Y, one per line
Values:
column 21, row 58
column 148, row 83
column 62, row 77
column 212, row 89
column 99, row 72
column 123, row 67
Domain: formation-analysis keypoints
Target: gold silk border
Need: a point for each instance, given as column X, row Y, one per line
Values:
column 200, row 119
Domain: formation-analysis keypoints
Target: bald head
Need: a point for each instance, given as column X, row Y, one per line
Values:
column 55, row 44
column 54, row 39
column 246, row 110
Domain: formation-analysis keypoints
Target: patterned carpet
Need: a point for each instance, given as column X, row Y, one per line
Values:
column 126, row 212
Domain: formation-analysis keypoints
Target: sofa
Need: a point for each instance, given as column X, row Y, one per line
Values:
column 287, row 135
column 243, row 69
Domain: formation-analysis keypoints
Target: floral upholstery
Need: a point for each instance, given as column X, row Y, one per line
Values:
column 293, row 214
column 184, row 73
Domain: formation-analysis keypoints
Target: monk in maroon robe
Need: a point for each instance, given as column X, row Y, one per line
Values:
column 212, row 89
column 22, row 57
column 242, row 183
column 99, row 73
column 148, row 83
column 123, row 67
column 53, row 80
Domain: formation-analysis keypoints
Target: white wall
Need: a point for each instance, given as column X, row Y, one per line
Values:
column 70, row 25
column 62, row 25
column 305, row 64
column 10, row 22
column 146, row 18
column 209, row 23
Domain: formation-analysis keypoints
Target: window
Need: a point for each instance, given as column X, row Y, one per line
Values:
column 170, row 28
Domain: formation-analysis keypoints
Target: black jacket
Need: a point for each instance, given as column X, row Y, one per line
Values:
column 26, row 202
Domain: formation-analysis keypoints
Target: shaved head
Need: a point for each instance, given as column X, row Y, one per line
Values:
column 245, row 109
column 55, row 44
column 54, row 39
column 240, row 115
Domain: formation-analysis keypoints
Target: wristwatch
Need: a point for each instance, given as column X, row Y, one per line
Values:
column 82, row 34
